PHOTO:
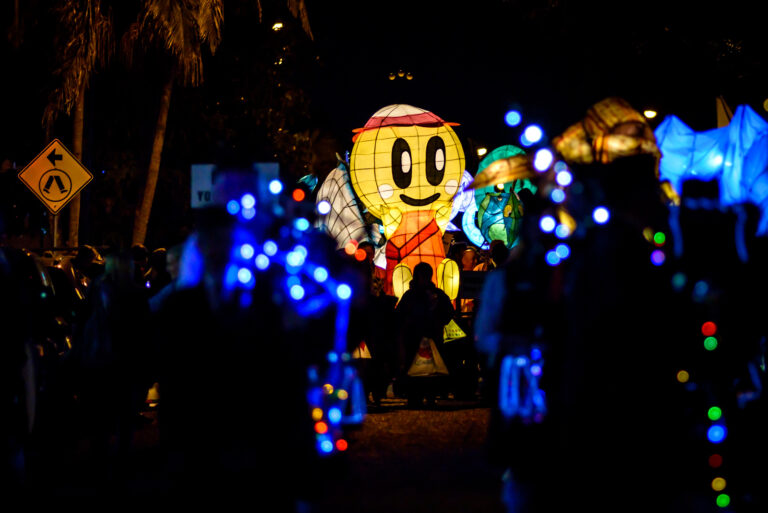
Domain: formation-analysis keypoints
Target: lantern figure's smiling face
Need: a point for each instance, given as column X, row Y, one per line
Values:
column 399, row 164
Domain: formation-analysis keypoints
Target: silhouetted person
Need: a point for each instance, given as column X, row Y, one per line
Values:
column 140, row 255
column 157, row 275
column 424, row 310
column 112, row 359
column 520, row 312
column 17, row 372
column 618, row 340
column 232, row 415
column 171, row 265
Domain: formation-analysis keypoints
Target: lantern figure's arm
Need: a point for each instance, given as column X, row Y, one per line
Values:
column 390, row 218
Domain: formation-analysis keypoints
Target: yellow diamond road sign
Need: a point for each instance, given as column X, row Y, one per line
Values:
column 55, row 176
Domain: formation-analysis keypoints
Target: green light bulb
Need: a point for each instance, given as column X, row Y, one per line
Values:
column 723, row 500
column 659, row 238
column 710, row 343
column 714, row 413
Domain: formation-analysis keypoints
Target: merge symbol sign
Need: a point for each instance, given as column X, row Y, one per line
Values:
column 55, row 176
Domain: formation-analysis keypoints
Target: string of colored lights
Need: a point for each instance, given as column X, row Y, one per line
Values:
column 335, row 396
column 717, row 430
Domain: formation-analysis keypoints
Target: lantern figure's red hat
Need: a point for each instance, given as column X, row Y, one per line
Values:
column 401, row 115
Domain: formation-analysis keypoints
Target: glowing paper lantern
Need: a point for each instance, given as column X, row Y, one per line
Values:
column 501, row 175
column 406, row 165
column 448, row 275
column 500, row 217
column 465, row 197
column 736, row 155
column 610, row 130
column 470, row 228
column 343, row 220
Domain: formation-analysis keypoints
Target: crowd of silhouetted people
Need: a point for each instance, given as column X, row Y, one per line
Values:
column 627, row 377
column 616, row 324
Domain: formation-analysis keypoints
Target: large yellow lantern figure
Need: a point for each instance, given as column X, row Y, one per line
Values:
column 405, row 167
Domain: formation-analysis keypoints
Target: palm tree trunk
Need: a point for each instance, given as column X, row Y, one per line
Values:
column 77, row 147
column 142, row 215
column 53, row 218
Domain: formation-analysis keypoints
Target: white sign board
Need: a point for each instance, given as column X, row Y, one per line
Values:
column 202, row 185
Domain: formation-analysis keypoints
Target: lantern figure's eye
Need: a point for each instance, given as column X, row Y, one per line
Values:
column 401, row 163
column 435, row 160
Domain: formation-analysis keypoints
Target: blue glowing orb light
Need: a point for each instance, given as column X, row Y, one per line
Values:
column 563, row 251
column 557, row 195
column 301, row 224
column 248, row 201
column 513, row 118
column 320, row 274
column 531, row 135
column 295, row 259
column 716, row 433
column 552, row 258
column 301, row 249
column 244, row 275
column 547, row 224
column 334, row 415
column 249, row 213
column 247, row 251
column 562, row 231
column 657, row 257
column 601, row 215
column 323, row 207
column 344, row 291
column 262, row 262
column 564, row 178
column 543, row 159
column 700, row 289
column 233, row 207
column 270, row 248
column 275, row 186
column 297, row 292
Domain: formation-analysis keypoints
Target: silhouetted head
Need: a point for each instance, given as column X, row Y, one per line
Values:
column 469, row 259
column 499, row 252
column 157, row 259
column 422, row 275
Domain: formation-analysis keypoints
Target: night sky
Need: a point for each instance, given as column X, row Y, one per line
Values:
column 471, row 62
column 550, row 59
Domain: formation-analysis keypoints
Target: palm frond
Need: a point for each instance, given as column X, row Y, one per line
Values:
column 299, row 10
column 84, row 41
column 180, row 28
column 210, row 18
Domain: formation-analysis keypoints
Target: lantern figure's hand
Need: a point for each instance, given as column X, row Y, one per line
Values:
column 401, row 277
column 443, row 216
column 448, row 278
